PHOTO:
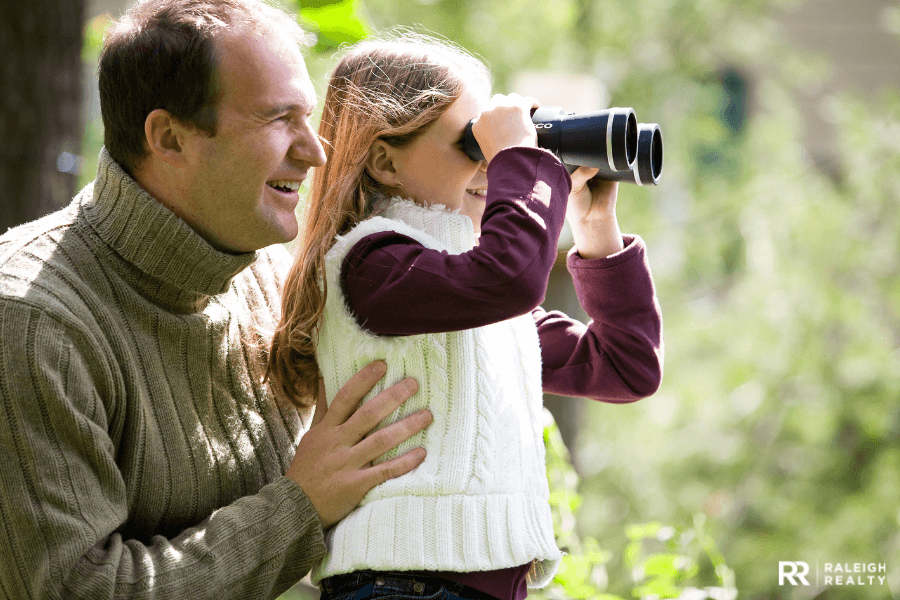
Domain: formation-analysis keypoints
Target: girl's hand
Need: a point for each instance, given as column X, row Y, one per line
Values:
column 506, row 122
column 591, row 213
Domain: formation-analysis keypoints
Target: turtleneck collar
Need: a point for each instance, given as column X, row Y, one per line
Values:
column 452, row 229
column 167, row 260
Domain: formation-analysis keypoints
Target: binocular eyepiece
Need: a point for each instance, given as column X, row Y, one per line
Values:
column 610, row 140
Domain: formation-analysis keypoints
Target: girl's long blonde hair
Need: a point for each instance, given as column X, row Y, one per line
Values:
column 390, row 88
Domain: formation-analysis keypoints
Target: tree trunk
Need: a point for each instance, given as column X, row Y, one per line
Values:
column 40, row 106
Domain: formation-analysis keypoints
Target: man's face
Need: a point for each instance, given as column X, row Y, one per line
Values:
column 242, row 182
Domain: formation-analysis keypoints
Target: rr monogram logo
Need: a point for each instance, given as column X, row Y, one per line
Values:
column 792, row 571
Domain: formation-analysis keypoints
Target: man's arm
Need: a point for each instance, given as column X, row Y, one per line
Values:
column 64, row 506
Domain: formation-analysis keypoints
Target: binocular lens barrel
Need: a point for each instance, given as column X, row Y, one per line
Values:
column 648, row 166
column 610, row 140
column 602, row 139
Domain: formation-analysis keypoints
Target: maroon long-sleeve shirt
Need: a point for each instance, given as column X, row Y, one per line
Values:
column 396, row 286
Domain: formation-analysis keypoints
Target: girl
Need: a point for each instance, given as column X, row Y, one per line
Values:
column 416, row 255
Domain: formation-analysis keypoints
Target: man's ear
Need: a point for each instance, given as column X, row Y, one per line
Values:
column 381, row 163
column 166, row 136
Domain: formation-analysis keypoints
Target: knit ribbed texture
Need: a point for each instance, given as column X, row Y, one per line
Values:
column 479, row 501
column 142, row 456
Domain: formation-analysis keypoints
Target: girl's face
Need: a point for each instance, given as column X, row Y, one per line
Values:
column 435, row 169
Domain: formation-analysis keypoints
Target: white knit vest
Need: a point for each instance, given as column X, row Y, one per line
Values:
column 479, row 501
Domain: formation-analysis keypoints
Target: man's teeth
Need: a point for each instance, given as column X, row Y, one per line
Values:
column 285, row 185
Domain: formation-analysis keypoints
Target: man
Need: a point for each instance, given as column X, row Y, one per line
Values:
column 143, row 455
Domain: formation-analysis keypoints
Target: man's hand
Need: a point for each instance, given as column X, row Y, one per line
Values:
column 333, row 460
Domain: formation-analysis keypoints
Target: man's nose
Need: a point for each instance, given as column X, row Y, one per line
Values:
column 308, row 148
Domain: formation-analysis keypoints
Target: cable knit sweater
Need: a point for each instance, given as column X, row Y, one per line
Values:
column 141, row 456
column 480, row 500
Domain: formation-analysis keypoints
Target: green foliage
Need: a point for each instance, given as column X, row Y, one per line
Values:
column 670, row 562
column 664, row 561
column 333, row 22
column 582, row 573
column 94, row 31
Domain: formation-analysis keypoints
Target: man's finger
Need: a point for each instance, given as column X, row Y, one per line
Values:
column 391, row 436
column 401, row 465
column 372, row 412
column 349, row 396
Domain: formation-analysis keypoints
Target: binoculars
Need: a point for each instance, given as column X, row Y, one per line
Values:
column 610, row 140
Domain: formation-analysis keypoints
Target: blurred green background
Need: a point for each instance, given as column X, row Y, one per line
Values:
column 774, row 239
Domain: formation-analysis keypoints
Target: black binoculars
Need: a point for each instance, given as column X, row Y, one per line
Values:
column 610, row 140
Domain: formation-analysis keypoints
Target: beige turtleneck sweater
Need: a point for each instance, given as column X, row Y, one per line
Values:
column 141, row 455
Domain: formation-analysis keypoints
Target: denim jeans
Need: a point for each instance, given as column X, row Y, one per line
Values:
column 395, row 586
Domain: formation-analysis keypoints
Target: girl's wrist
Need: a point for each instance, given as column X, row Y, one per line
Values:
column 597, row 235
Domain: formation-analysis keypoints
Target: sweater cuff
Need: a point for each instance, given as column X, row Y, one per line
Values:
column 307, row 518
column 606, row 285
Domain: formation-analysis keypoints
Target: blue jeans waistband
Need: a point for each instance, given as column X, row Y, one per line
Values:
column 376, row 584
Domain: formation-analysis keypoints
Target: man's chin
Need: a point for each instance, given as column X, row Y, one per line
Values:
column 288, row 232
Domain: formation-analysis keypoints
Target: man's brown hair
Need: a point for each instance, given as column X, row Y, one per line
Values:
column 162, row 54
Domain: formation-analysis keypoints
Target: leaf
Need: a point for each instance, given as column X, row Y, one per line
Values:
column 333, row 23
column 645, row 530
column 661, row 565
column 94, row 32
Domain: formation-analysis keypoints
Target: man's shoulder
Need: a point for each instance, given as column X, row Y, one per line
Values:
column 39, row 260
column 31, row 231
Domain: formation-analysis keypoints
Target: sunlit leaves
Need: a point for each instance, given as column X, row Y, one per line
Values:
column 94, row 31
column 333, row 22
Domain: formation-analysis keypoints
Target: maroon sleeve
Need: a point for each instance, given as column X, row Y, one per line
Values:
column 618, row 356
column 396, row 286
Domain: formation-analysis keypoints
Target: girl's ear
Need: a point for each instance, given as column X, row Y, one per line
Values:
column 380, row 163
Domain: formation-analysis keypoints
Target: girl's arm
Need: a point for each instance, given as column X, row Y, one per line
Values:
column 396, row 286
column 618, row 356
